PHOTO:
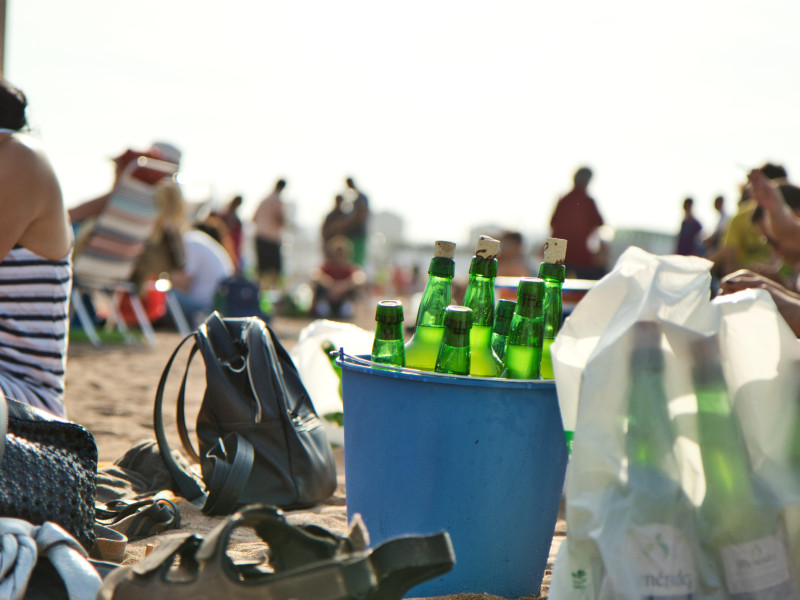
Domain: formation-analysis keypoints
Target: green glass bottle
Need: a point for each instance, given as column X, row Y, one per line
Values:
column 423, row 347
column 503, row 313
column 388, row 346
column 741, row 531
column 479, row 297
column 659, row 548
column 524, row 345
column 552, row 272
column 454, row 355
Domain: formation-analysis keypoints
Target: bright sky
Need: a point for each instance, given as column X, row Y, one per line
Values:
column 451, row 113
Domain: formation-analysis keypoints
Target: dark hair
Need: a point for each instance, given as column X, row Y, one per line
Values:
column 12, row 107
column 773, row 171
column 511, row 236
column 582, row 176
column 280, row 184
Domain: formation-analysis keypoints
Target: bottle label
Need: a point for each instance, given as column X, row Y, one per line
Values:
column 757, row 570
column 662, row 558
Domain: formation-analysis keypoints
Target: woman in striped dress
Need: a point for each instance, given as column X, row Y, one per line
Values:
column 35, row 267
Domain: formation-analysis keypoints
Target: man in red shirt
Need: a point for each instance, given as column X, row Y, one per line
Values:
column 575, row 219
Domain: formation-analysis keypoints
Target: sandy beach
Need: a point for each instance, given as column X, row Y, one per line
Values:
column 111, row 391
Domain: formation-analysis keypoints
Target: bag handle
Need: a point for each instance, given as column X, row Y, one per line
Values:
column 187, row 484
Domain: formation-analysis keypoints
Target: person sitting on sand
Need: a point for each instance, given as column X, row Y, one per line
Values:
column 207, row 264
column 36, row 269
column 337, row 281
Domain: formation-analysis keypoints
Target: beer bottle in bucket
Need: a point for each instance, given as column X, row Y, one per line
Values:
column 454, row 353
column 742, row 530
column 524, row 344
column 479, row 297
column 503, row 313
column 423, row 347
column 552, row 271
column 388, row 345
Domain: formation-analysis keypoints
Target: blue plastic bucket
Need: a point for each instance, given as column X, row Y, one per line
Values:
column 483, row 459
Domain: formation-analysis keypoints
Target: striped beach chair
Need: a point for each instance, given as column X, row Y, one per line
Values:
column 105, row 261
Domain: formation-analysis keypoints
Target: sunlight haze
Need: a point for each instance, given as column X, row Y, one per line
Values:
column 448, row 113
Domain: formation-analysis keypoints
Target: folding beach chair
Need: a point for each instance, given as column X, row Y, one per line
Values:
column 105, row 262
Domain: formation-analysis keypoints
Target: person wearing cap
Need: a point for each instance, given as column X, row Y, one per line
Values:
column 35, row 265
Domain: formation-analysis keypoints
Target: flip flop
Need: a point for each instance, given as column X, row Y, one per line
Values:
column 137, row 520
column 307, row 562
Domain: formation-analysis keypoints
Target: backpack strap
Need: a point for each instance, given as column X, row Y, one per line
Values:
column 188, row 485
column 180, row 410
column 232, row 460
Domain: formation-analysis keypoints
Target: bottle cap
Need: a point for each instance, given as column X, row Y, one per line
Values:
column 487, row 247
column 389, row 311
column 530, row 289
column 458, row 318
column 442, row 249
column 555, row 251
column 504, row 309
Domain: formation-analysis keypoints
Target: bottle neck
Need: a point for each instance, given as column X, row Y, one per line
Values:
column 555, row 273
column 526, row 331
column 650, row 437
column 435, row 298
column 479, row 296
column 502, row 324
column 454, row 353
column 456, row 338
column 528, row 310
column 483, row 267
column 389, row 332
column 551, row 307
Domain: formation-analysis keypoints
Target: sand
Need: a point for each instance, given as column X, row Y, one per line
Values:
column 111, row 392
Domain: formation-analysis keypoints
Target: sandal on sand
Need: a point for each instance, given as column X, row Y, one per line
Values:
column 305, row 562
column 139, row 519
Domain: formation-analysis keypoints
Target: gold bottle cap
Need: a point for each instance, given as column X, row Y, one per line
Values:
column 555, row 251
column 443, row 249
column 487, row 247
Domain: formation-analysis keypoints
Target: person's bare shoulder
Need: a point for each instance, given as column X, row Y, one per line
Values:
column 23, row 164
column 31, row 200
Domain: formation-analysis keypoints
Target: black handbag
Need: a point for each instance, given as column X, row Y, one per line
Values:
column 47, row 470
column 259, row 437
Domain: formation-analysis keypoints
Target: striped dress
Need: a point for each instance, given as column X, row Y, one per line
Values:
column 34, row 323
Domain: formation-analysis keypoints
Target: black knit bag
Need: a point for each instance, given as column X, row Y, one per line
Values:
column 47, row 470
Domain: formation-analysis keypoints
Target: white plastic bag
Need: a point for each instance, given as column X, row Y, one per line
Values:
column 607, row 549
column 319, row 378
